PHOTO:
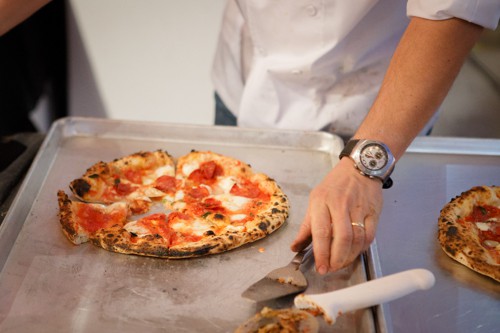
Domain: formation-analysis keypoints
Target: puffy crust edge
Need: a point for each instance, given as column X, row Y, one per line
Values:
column 457, row 241
column 81, row 186
column 70, row 228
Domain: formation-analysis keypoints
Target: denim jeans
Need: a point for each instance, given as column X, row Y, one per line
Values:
column 223, row 115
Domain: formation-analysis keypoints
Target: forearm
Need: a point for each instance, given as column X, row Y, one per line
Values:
column 421, row 72
column 13, row 12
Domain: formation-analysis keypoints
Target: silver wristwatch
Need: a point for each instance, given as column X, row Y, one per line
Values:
column 372, row 158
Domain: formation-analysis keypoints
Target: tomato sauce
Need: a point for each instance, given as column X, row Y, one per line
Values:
column 490, row 215
column 176, row 238
column 92, row 219
column 483, row 213
column 156, row 225
column 135, row 176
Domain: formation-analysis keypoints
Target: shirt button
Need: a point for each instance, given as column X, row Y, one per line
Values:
column 311, row 10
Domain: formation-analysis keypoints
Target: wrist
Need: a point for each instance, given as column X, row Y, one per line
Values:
column 372, row 159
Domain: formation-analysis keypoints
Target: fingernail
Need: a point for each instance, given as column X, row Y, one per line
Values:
column 322, row 270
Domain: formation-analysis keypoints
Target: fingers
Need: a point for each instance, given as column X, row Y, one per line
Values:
column 321, row 231
column 342, row 243
column 358, row 240
column 370, row 229
column 303, row 237
column 341, row 219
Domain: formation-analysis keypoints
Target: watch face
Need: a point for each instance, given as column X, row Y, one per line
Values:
column 373, row 157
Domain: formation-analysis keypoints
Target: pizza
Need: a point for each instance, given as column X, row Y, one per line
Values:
column 151, row 204
column 287, row 320
column 469, row 230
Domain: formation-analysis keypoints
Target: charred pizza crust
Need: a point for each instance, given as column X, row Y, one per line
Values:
column 72, row 213
column 461, row 241
column 130, row 179
column 216, row 174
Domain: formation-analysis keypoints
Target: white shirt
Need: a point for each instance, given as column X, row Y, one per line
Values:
column 317, row 64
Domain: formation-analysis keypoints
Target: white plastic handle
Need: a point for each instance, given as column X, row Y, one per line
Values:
column 367, row 294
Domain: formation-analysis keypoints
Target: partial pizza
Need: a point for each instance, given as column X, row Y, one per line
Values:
column 287, row 320
column 137, row 179
column 149, row 204
column 469, row 230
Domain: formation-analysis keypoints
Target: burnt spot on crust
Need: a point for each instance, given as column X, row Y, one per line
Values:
column 80, row 187
column 263, row 226
column 450, row 250
column 452, row 231
column 204, row 250
column 209, row 233
column 218, row 216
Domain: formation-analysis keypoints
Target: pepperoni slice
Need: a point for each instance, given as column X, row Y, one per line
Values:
column 123, row 188
column 249, row 190
column 165, row 184
column 207, row 172
column 198, row 192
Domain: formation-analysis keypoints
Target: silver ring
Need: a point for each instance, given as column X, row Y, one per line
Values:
column 358, row 224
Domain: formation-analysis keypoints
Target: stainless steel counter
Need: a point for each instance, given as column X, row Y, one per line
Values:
column 431, row 173
column 45, row 279
column 49, row 285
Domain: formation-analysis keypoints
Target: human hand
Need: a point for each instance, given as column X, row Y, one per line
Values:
column 343, row 199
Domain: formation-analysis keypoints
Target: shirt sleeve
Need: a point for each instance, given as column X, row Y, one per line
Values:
column 485, row 13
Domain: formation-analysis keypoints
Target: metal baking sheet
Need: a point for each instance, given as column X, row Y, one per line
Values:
column 429, row 175
column 49, row 285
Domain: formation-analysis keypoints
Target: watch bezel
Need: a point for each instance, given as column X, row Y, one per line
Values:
column 382, row 173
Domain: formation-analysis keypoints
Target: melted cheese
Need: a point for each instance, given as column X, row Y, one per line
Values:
column 197, row 227
column 238, row 217
column 179, row 195
column 232, row 202
column 136, row 229
column 179, row 205
column 188, row 168
column 483, row 226
column 153, row 192
column 166, row 170
column 209, row 189
column 225, row 184
column 492, row 243
column 235, row 228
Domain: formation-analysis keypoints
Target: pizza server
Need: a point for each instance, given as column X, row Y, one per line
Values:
column 280, row 282
column 332, row 304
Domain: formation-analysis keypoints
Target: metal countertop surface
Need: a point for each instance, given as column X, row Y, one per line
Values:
column 430, row 174
column 433, row 171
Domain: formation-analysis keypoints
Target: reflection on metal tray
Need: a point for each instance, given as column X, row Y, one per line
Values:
column 86, row 289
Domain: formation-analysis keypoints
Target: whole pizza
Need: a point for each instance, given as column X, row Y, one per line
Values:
column 151, row 204
column 469, row 230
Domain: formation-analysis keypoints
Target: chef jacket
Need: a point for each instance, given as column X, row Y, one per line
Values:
column 318, row 64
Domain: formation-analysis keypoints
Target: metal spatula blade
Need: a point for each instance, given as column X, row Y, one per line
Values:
column 282, row 281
